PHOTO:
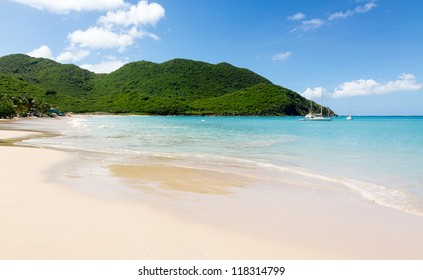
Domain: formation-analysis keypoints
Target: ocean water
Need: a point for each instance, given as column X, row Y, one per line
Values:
column 380, row 158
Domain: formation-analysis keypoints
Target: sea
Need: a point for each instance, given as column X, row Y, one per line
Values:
column 379, row 158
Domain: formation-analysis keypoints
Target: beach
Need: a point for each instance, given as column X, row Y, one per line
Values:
column 42, row 220
column 194, row 214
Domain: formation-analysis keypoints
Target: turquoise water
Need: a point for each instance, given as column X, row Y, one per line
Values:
column 381, row 158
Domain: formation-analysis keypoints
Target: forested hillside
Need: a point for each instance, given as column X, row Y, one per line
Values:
column 175, row 87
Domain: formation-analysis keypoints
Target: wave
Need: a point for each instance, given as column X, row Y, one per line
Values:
column 278, row 169
column 391, row 197
column 77, row 123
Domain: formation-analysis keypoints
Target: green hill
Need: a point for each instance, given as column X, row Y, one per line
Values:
column 178, row 86
column 70, row 83
column 63, row 78
column 20, row 98
column 15, row 86
column 260, row 100
column 178, row 78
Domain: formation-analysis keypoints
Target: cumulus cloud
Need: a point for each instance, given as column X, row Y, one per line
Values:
column 104, row 67
column 405, row 82
column 66, row 6
column 297, row 16
column 348, row 13
column 43, row 51
column 100, row 38
column 119, row 29
column 72, row 56
column 142, row 14
column 311, row 93
column 282, row 56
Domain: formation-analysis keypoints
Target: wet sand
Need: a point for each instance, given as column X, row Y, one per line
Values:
column 321, row 222
column 181, row 213
column 42, row 220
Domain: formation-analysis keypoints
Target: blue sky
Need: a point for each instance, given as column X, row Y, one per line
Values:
column 369, row 51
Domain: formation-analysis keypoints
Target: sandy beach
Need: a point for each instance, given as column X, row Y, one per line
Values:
column 42, row 218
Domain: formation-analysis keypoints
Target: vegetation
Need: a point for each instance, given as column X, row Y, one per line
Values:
column 176, row 87
column 178, row 78
column 19, row 98
column 21, row 106
column 260, row 100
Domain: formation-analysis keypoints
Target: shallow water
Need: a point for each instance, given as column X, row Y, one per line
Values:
column 381, row 158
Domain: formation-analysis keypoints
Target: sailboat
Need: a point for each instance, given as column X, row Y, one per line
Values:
column 316, row 117
column 349, row 117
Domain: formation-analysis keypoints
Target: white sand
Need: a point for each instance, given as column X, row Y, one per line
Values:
column 41, row 219
column 11, row 134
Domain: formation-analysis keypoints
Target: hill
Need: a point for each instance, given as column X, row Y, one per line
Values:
column 178, row 78
column 178, row 86
column 19, row 98
column 63, row 78
column 260, row 100
column 70, row 83
column 15, row 86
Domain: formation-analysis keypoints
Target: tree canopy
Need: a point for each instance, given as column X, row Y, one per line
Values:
column 175, row 87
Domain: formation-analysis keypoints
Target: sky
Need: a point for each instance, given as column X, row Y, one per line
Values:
column 363, row 57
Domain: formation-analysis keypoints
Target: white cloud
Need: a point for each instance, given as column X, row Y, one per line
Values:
column 282, row 56
column 307, row 25
column 316, row 92
column 405, row 82
column 101, row 38
column 142, row 14
column 72, row 56
column 119, row 29
column 151, row 35
column 66, row 6
column 358, row 10
column 312, row 24
column 105, row 66
column 365, row 8
column 297, row 16
column 43, row 51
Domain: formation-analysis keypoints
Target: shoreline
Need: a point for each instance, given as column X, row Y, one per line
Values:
column 45, row 219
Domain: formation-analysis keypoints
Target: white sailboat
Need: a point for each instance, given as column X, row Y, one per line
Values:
column 349, row 117
column 316, row 117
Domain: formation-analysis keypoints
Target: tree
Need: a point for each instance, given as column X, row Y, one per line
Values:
column 50, row 92
column 7, row 109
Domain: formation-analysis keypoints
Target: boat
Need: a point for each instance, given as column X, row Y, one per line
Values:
column 316, row 117
column 349, row 117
